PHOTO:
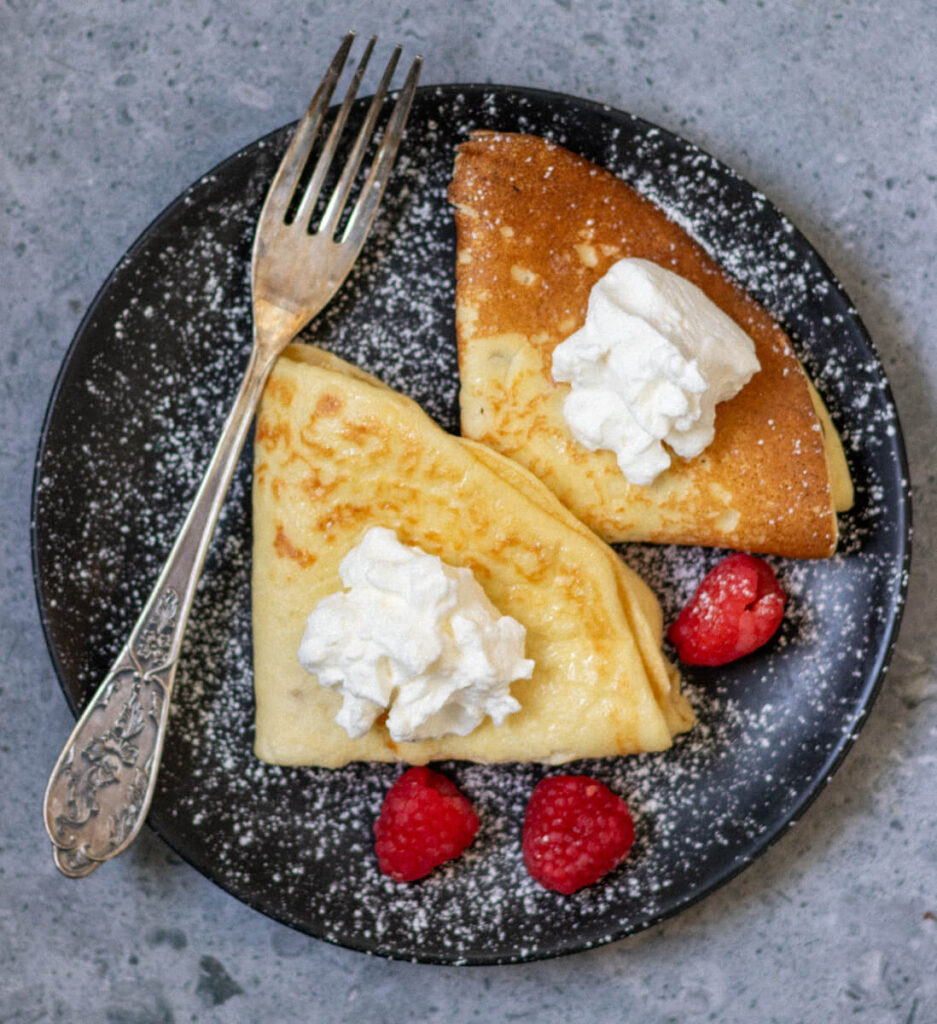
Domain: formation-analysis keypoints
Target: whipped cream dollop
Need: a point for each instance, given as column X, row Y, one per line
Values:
column 416, row 637
column 649, row 366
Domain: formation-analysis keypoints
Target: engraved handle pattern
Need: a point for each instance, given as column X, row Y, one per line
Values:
column 100, row 790
column 103, row 782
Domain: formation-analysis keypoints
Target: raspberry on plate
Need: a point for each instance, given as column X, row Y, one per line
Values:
column 575, row 831
column 737, row 608
column 424, row 822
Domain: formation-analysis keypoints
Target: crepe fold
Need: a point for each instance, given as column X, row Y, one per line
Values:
column 537, row 227
column 337, row 452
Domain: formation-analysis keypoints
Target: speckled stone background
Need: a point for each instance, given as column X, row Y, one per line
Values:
column 108, row 109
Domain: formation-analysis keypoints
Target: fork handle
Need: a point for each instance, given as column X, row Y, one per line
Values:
column 102, row 784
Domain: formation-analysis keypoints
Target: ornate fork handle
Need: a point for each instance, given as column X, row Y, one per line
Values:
column 102, row 784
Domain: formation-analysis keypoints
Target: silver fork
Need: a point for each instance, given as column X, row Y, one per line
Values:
column 102, row 784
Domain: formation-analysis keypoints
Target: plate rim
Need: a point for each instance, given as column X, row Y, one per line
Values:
column 902, row 517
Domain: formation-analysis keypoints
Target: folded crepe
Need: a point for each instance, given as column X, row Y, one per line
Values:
column 337, row 452
column 537, row 227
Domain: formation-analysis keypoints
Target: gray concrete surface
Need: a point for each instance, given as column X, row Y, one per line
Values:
column 107, row 110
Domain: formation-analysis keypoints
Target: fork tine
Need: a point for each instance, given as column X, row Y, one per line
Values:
column 362, row 214
column 297, row 153
column 329, row 220
column 306, row 206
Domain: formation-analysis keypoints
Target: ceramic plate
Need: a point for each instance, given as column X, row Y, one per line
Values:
column 131, row 423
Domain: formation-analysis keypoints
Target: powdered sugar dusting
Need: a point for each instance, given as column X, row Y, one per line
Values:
column 139, row 405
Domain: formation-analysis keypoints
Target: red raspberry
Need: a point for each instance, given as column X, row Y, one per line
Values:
column 424, row 822
column 575, row 831
column 737, row 608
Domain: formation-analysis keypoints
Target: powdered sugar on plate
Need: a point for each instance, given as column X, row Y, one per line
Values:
column 134, row 417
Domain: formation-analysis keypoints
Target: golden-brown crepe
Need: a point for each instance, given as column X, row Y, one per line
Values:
column 337, row 452
column 537, row 227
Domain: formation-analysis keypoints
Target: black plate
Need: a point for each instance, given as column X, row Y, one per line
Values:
column 131, row 423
